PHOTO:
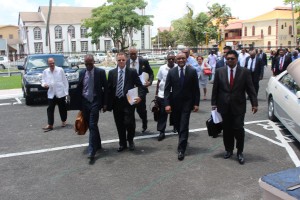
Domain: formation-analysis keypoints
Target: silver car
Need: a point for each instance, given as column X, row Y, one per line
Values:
column 283, row 95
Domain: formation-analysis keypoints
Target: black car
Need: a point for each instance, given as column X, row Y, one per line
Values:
column 34, row 66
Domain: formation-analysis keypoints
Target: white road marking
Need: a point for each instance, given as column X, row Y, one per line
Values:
column 5, row 104
column 18, row 101
column 264, row 137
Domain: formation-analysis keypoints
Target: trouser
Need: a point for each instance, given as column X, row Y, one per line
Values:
column 61, row 107
column 125, row 120
column 181, row 122
column 256, row 86
column 233, row 128
column 142, row 111
column 163, row 116
column 91, row 115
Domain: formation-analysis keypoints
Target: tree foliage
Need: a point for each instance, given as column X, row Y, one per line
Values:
column 194, row 31
column 117, row 19
column 165, row 39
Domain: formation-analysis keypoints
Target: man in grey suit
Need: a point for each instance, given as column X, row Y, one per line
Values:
column 228, row 97
column 182, row 95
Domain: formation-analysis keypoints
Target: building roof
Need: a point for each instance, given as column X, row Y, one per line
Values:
column 162, row 29
column 66, row 14
column 9, row 25
column 237, row 24
column 31, row 17
column 277, row 13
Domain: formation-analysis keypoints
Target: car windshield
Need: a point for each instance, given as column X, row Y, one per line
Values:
column 42, row 62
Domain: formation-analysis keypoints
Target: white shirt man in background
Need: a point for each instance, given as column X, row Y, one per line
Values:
column 54, row 79
column 242, row 57
column 212, row 61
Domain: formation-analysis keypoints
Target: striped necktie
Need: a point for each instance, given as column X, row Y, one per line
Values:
column 120, row 85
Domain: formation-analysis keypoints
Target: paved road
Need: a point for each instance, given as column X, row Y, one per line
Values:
column 53, row 165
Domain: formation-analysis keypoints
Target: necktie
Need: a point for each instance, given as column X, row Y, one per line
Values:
column 120, row 85
column 281, row 63
column 231, row 78
column 90, row 96
column 181, row 77
column 133, row 64
column 251, row 65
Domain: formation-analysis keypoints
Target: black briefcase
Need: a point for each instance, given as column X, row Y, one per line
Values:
column 213, row 129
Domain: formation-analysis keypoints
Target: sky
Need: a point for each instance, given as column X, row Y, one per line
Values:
column 164, row 11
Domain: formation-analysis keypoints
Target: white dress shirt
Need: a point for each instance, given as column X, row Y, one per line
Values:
column 228, row 72
column 253, row 64
column 136, row 64
column 57, row 82
column 162, row 77
column 242, row 58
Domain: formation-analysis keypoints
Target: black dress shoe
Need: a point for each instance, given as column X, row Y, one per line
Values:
column 241, row 158
column 174, row 130
column 161, row 136
column 180, row 156
column 92, row 160
column 131, row 146
column 121, row 148
column 228, row 154
column 144, row 129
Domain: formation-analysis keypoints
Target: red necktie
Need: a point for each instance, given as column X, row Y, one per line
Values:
column 231, row 78
column 281, row 63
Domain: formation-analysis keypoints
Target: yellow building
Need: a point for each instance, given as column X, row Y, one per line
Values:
column 10, row 34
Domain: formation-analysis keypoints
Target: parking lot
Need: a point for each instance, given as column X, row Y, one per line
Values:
column 54, row 165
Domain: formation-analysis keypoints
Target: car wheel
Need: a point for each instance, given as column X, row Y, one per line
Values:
column 271, row 115
column 28, row 100
column 2, row 66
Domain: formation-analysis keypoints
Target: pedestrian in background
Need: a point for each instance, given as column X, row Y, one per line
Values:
column 190, row 61
column 295, row 55
column 242, row 57
column 203, row 79
column 212, row 61
column 222, row 61
column 282, row 62
column 54, row 79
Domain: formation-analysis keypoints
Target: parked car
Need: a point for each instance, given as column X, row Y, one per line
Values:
column 32, row 75
column 73, row 60
column 162, row 56
column 99, row 57
column 283, row 96
column 4, row 62
column 149, row 57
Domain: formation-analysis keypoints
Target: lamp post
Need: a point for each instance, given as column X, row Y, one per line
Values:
column 293, row 27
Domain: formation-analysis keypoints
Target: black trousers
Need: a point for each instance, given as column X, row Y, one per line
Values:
column 256, row 86
column 142, row 111
column 181, row 123
column 233, row 128
column 163, row 116
column 61, row 107
column 125, row 120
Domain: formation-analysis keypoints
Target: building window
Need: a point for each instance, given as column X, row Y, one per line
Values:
column 107, row 45
column 269, row 45
column 37, row 33
column 1, row 36
column 143, row 38
column 285, row 24
column 10, row 36
column 73, row 46
column 261, row 32
column 84, row 46
column 58, row 32
column 59, row 47
column 282, row 27
column 83, row 32
column 245, row 31
column 38, row 47
column 71, row 31
column 269, row 30
column 290, row 30
column 253, row 30
column 289, row 44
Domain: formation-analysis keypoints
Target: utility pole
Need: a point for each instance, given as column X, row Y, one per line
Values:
column 293, row 27
column 47, row 27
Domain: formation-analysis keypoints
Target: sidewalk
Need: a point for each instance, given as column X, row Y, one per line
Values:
column 12, row 93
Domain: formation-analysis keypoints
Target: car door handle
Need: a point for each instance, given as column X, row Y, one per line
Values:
column 286, row 96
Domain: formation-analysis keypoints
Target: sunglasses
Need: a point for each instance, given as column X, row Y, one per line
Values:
column 171, row 58
column 121, row 60
column 230, row 58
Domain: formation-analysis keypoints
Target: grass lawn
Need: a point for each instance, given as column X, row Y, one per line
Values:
column 10, row 82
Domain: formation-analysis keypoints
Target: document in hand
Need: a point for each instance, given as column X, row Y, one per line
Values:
column 144, row 77
column 131, row 95
column 217, row 118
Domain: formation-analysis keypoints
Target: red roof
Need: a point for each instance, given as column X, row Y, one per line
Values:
column 235, row 25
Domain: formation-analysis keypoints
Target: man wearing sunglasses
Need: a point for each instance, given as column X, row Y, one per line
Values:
column 229, row 98
column 161, row 80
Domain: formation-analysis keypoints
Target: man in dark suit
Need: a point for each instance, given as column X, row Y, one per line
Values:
column 256, row 66
column 282, row 62
column 120, row 80
column 90, row 98
column 222, row 61
column 182, row 95
column 263, row 57
column 141, row 65
column 228, row 97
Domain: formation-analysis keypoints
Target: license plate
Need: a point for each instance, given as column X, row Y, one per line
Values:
column 34, row 89
column 73, row 86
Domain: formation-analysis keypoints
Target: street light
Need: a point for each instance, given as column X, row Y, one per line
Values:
column 293, row 27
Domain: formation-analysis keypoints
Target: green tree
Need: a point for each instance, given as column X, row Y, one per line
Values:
column 118, row 20
column 194, row 31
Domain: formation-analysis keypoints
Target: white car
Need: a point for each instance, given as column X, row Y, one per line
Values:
column 4, row 62
column 99, row 57
column 149, row 57
column 283, row 96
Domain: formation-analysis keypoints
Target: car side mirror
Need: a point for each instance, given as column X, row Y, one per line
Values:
column 298, row 94
column 20, row 67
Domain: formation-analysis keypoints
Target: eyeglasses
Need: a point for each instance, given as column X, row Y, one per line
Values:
column 230, row 58
column 121, row 60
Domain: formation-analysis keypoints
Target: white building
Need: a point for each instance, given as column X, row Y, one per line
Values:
column 66, row 33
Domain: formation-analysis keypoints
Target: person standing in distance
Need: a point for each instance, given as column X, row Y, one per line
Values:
column 54, row 79
column 120, row 80
column 229, row 98
column 141, row 65
column 182, row 95
column 162, row 76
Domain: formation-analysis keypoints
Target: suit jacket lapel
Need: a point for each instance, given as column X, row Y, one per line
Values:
column 115, row 77
column 236, row 77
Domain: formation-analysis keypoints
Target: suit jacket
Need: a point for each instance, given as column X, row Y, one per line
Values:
column 143, row 67
column 263, row 58
column 233, row 100
column 286, row 62
column 131, row 80
column 258, row 73
column 186, row 96
column 220, row 63
column 100, row 89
